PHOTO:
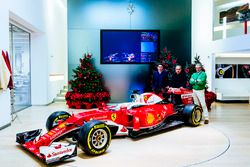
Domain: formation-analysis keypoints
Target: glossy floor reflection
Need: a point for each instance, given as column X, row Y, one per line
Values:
column 223, row 142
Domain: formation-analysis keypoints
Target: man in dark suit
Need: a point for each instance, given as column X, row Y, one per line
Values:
column 178, row 80
column 160, row 80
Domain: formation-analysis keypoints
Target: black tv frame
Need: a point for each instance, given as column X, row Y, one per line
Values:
column 135, row 30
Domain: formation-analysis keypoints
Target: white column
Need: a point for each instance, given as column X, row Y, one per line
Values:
column 202, row 34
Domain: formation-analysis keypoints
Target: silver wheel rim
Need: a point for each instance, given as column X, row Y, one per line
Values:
column 99, row 138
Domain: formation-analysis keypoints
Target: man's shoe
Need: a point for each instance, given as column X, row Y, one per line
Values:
column 206, row 121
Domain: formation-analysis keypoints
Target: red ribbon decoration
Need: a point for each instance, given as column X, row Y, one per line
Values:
column 7, row 61
column 245, row 27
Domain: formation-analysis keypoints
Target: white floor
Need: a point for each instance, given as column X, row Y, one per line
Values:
column 223, row 142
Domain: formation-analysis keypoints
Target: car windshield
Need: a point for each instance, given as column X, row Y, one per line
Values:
column 141, row 100
column 149, row 98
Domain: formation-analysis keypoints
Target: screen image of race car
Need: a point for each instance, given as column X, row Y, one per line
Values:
column 129, row 46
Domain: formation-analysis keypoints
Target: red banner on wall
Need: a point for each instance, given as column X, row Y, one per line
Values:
column 5, row 72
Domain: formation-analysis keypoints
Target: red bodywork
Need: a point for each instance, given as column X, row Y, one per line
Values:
column 135, row 118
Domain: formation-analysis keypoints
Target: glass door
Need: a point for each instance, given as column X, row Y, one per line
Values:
column 20, row 60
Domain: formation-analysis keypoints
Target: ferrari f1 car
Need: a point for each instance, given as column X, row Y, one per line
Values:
column 93, row 129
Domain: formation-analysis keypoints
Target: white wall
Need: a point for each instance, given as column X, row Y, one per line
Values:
column 56, row 25
column 5, row 111
column 47, row 22
column 210, row 51
column 4, row 30
column 232, row 44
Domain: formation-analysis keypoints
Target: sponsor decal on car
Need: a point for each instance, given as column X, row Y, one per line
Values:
column 50, row 133
column 53, row 154
column 113, row 116
column 99, row 126
column 150, row 118
column 100, row 117
column 98, row 151
column 62, row 125
column 159, row 117
column 57, row 151
column 63, row 116
column 186, row 95
column 55, row 134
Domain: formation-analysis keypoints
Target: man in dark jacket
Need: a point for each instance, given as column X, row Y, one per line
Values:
column 160, row 80
column 179, row 80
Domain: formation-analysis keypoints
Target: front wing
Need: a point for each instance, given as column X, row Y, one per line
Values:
column 57, row 151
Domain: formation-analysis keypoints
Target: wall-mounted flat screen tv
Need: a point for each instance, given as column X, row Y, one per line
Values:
column 129, row 46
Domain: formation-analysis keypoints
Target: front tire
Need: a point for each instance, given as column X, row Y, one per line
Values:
column 192, row 114
column 54, row 119
column 94, row 137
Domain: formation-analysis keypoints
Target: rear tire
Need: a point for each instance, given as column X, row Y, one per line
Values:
column 54, row 118
column 94, row 137
column 192, row 114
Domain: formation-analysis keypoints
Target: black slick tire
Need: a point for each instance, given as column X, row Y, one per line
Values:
column 54, row 119
column 192, row 114
column 94, row 137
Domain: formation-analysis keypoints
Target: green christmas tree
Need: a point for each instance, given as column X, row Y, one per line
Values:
column 87, row 86
column 86, row 78
column 190, row 68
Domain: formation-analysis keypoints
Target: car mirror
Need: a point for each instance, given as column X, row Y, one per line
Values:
column 102, row 106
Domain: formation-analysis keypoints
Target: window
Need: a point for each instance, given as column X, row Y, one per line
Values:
column 230, row 18
column 20, row 61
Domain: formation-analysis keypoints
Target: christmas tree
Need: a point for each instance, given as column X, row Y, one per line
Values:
column 190, row 68
column 87, row 86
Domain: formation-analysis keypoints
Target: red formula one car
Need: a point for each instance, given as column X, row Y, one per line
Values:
column 93, row 129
